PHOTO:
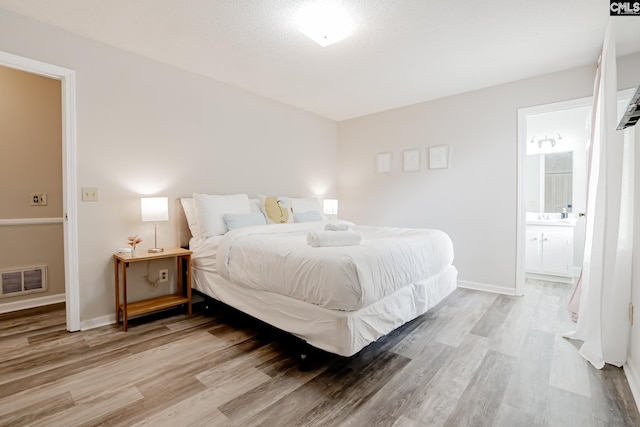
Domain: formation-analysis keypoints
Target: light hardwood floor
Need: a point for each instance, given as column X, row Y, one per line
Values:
column 477, row 359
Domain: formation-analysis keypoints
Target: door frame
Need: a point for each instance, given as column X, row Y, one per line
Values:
column 521, row 208
column 521, row 220
column 67, row 78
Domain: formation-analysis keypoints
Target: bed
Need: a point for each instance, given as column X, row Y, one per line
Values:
column 335, row 298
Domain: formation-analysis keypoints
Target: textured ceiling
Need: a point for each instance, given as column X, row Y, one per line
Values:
column 402, row 51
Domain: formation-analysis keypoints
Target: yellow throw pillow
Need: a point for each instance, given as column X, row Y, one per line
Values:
column 276, row 210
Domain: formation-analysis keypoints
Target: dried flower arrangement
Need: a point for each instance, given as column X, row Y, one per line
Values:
column 134, row 240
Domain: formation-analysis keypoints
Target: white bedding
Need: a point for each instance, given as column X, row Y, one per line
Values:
column 343, row 332
column 276, row 258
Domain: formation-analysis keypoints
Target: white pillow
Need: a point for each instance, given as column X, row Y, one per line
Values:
column 190, row 213
column 234, row 221
column 210, row 210
column 255, row 205
column 300, row 205
column 308, row 216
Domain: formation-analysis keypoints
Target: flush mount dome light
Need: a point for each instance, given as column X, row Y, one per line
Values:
column 325, row 24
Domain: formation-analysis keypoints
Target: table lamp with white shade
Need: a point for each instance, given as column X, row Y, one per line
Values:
column 155, row 209
column 330, row 207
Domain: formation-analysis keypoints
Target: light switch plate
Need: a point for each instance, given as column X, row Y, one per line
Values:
column 89, row 194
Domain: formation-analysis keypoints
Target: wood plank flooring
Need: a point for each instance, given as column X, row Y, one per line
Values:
column 477, row 359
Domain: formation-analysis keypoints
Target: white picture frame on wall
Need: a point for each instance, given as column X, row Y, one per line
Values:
column 439, row 157
column 383, row 162
column 411, row 160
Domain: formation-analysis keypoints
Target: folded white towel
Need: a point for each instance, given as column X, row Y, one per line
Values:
column 334, row 238
column 337, row 227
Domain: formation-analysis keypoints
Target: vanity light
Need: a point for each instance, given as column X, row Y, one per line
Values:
column 155, row 209
column 552, row 141
column 325, row 24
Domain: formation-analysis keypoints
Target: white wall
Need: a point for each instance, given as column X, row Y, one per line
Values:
column 475, row 199
column 147, row 128
column 632, row 368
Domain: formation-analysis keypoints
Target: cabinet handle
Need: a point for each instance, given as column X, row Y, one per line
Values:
column 545, row 240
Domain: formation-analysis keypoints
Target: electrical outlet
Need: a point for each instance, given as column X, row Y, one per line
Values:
column 163, row 275
column 38, row 199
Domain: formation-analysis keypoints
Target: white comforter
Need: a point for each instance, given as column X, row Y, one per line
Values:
column 278, row 259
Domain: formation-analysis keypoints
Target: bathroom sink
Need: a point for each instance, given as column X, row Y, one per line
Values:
column 553, row 221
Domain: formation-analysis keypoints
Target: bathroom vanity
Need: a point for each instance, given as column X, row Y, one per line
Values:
column 549, row 250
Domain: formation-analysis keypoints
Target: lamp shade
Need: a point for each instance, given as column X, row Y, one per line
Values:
column 154, row 208
column 330, row 206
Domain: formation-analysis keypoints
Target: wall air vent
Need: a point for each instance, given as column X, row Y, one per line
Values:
column 632, row 113
column 23, row 281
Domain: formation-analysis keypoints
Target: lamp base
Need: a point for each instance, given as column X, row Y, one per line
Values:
column 156, row 250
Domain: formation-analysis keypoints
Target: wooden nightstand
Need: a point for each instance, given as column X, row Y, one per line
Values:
column 182, row 296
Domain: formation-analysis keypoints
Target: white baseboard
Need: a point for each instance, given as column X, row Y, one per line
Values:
column 96, row 322
column 486, row 287
column 549, row 277
column 633, row 378
column 8, row 307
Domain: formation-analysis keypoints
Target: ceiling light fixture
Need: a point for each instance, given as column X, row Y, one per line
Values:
column 325, row 24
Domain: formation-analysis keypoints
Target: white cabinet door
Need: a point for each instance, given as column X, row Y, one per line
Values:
column 549, row 250
column 533, row 253
column 556, row 253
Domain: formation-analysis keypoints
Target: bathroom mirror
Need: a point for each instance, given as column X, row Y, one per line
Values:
column 556, row 161
column 558, row 181
column 550, row 182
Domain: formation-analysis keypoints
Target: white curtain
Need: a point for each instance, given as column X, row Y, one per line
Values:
column 605, row 287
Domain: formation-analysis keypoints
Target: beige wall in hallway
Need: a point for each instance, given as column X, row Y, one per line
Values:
column 31, row 162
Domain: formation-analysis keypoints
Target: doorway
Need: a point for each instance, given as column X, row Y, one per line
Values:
column 69, row 167
column 552, row 183
column 556, row 112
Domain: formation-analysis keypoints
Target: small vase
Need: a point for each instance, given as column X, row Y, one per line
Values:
column 133, row 252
